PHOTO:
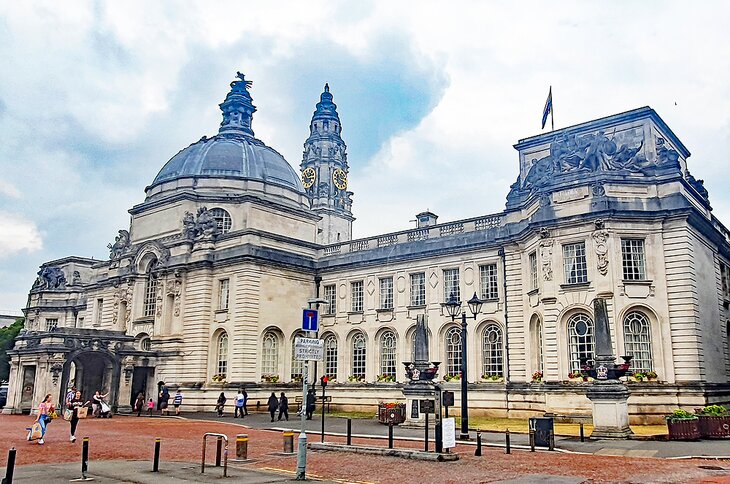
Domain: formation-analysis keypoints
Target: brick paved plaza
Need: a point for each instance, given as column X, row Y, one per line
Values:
column 132, row 439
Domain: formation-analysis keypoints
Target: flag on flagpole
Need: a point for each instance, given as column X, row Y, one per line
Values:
column 548, row 107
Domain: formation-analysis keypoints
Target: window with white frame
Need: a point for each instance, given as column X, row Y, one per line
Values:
column 488, row 279
column 223, row 293
column 150, row 291
column 580, row 340
column 270, row 355
column 418, row 289
column 359, row 348
column 356, row 294
column 297, row 366
column 330, row 356
column 387, row 353
column 533, row 270
column 222, row 356
column 540, row 364
column 574, row 261
column 632, row 257
column 99, row 311
column 51, row 324
column 492, row 362
column 453, row 351
column 222, row 219
column 330, row 295
column 451, row 284
column 637, row 340
column 386, row 293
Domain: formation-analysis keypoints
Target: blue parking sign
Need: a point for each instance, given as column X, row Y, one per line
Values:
column 310, row 320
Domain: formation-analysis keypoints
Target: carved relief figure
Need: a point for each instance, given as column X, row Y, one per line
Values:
column 203, row 225
column 50, row 278
column 546, row 257
column 600, row 241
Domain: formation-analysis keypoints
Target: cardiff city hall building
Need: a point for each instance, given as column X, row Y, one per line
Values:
column 204, row 290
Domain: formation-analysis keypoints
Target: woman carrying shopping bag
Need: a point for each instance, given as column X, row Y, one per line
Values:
column 45, row 409
column 78, row 409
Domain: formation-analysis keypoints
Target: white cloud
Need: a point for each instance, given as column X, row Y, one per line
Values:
column 9, row 190
column 18, row 235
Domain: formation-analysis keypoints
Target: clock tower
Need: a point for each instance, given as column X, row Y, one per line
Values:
column 324, row 173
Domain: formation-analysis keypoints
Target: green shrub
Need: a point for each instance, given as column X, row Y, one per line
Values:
column 679, row 415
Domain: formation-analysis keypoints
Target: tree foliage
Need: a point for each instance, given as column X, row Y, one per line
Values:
column 7, row 340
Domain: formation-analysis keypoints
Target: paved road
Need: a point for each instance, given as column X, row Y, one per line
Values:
column 371, row 428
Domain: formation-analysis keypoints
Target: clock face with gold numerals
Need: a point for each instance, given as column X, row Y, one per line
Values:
column 308, row 177
column 339, row 177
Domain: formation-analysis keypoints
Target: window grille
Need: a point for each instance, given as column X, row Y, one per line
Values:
column 574, row 260
column 489, row 285
column 386, row 293
column 356, row 291
column 637, row 340
column 632, row 256
column 453, row 350
column 492, row 362
column 359, row 348
column 51, row 324
column 418, row 289
column 580, row 340
column 387, row 353
column 451, row 284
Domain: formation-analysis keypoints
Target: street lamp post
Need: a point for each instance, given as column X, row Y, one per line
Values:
column 453, row 308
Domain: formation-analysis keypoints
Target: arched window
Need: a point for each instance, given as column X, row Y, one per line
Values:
column 270, row 355
column 492, row 363
column 222, row 356
column 539, row 363
column 359, row 348
column 637, row 340
column 387, row 353
column 150, row 290
column 145, row 343
column 222, row 218
column 297, row 366
column 453, row 350
column 330, row 356
column 580, row 340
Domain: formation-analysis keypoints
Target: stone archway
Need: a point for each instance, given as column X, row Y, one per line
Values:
column 92, row 371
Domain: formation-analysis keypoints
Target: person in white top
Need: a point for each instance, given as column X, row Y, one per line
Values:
column 240, row 402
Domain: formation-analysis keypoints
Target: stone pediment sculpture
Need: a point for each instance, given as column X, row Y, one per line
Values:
column 121, row 243
column 51, row 277
column 597, row 152
column 200, row 226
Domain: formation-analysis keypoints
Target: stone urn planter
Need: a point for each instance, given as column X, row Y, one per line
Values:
column 683, row 425
column 714, row 422
column 391, row 413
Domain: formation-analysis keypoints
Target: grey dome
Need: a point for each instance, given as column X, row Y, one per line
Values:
column 230, row 156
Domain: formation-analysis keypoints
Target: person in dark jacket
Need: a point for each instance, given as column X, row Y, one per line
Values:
column 139, row 404
column 283, row 406
column 220, row 404
column 273, row 405
column 311, row 403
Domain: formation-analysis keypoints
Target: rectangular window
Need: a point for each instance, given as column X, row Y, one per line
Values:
column 488, row 278
column 533, row 270
column 418, row 289
column 386, row 293
column 574, row 261
column 725, row 281
column 223, row 293
column 330, row 295
column 632, row 256
column 356, row 293
column 99, row 311
column 51, row 324
column 451, row 284
column 150, row 295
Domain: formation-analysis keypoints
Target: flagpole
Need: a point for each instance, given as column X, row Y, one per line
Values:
column 552, row 110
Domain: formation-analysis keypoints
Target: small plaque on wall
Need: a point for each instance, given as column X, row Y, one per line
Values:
column 414, row 409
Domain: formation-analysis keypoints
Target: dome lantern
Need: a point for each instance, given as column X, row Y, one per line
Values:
column 238, row 108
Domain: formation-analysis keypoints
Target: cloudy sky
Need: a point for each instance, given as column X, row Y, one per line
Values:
column 96, row 96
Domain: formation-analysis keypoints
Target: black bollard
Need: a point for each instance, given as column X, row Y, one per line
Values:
column 507, row 449
column 218, row 450
column 390, row 436
column 85, row 458
column 582, row 435
column 532, row 440
column 478, row 452
column 551, row 442
column 425, row 439
column 439, row 438
column 349, row 431
column 156, row 462
column 10, row 470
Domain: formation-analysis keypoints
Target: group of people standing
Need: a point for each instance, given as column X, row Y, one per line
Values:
column 239, row 404
column 163, row 402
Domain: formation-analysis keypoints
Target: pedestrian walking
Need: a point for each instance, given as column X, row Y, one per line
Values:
column 311, row 403
column 164, row 401
column 239, row 402
column 283, row 406
column 70, row 395
column 273, row 405
column 139, row 404
column 245, row 402
column 96, row 403
column 45, row 408
column 78, row 410
column 177, row 401
column 150, row 407
column 220, row 404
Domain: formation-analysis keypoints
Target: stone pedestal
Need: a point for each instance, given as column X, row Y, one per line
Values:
column 610, row 409
column 414, row 392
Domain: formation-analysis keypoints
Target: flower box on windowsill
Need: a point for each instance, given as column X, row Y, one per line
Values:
column 355, row 379
column 492, row 379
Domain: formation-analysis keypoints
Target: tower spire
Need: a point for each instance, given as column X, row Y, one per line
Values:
column 238, row 108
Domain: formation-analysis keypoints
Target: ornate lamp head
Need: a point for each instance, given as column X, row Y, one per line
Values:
column 453, row 306
column 475, row 305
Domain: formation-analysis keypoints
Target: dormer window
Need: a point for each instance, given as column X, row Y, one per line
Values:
column 222, row 218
